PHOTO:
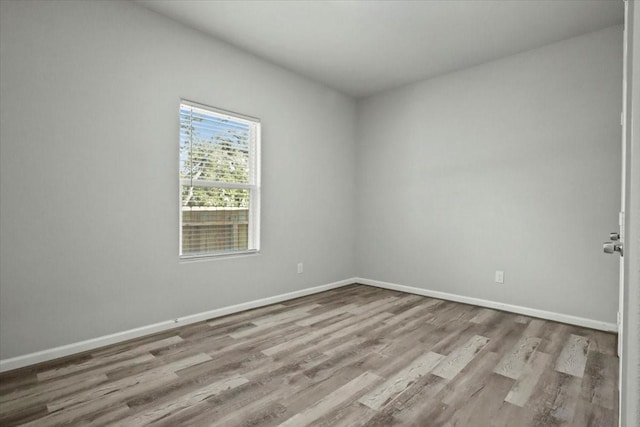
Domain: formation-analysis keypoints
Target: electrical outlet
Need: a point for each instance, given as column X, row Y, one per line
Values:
column 499, row 276
column 300, row 268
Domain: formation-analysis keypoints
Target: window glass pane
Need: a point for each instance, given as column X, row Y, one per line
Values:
column 213, row 147
column 214, row 220
column 214, row 197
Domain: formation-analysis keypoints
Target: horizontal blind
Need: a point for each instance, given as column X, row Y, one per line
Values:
column 218, row 177
column 213, row 147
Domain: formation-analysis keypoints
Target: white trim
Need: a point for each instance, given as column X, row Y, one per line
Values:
column 253, row 186
column 215, row 184
column 78, row 347
column 232, row 115
column 255, row 159
column 221, row 255
column 542, row 314
column 70, row 349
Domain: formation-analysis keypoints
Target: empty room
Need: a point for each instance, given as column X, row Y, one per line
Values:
column 319, row 213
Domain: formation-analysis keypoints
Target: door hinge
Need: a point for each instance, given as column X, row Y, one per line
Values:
column 618, row 319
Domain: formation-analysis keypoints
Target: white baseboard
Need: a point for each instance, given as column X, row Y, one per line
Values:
column 70, row 349
column 542, row 314
column 91, row 344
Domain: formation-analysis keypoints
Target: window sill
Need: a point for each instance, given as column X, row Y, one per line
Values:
column 228, row 255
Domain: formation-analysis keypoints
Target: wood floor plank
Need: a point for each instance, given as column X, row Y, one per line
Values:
column 369, row 307
column 186, row 401
column 15, row 403
column 232, row 406
column 419, row 400
column 513, row 363
column 387, row 391
column 352, row 356
column 508, row 415
column 310, row 320
column 108, row 417
column 264, row 327
column 103, row 390
column 476, row 376
column 44, row 391
column 504, row 334
column 326, row 382
column 412, row 313
column 353, row 330
column 573, row 358
column 599, row 385
column 143, row 345
column 194, row 378
column 554, row 399
column 526, row 383
column 83, row 408
column 592, row 415
column 481, row 408
column 554, row 337
column 360, row 358
column 286, row 316
column 451, row 365
column 446, row 313
column 27, row 377
column 264, row 400
column 333, row 400
column 135, row 353
column 602, row 342
column 483, row 316
column 353, row 415
column 237, row 318
column 331, row 332
column 535, row 328
column 346, row 346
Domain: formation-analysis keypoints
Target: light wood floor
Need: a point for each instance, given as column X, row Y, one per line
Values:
column 352, row 356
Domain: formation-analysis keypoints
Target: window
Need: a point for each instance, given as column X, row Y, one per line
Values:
column 219, row 182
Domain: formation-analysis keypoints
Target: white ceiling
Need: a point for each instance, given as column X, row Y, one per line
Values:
column 363, row 47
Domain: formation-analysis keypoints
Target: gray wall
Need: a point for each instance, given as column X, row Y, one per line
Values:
column 503, row 166
column 89, row 173
column 512, row 165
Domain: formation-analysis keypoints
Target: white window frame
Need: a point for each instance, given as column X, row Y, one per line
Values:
column 253, row 186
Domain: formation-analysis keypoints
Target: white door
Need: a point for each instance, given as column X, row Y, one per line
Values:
column 626, row 133
column 616, row 244
column 630, row 286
